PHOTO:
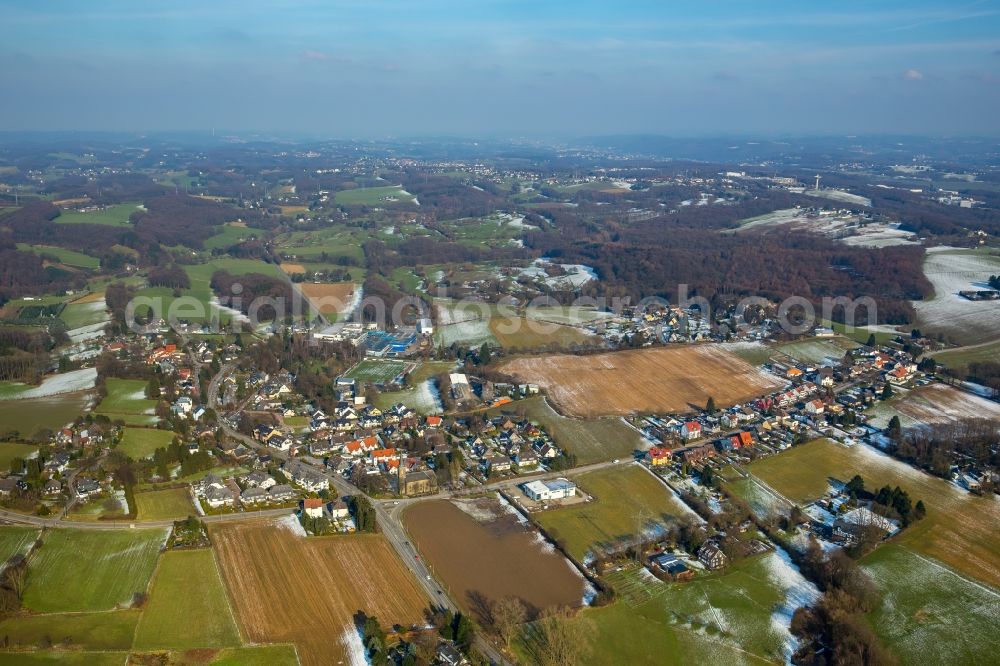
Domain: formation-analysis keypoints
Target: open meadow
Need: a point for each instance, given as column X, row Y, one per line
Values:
column 959, row 529
column 373, row 196
column 83, row 570
column 952, row 270
column 935, row 404
column 101, row 630
column 126, row 400
column 291, row 589
column 15, row 540
column 659, row 380
column 628, row 500
column 188, row 607
column 928, row 614
column 116, row 215
column 169, row 504
column 739, row 615
column 139, row 443
column 482, row 551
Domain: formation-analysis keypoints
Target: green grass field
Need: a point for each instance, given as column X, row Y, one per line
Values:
column 83, row 570
column 592, row 440
column 86, row 631
column 16, row 540
column 718, row 618
column 230, row 235
column 957, row 358
column 376, row 371
column 188, row 607
column 169, row 504
column 27, row 416
column 959, row 530
column 139, row 443
column 200, row 276
column 126, row 400
column 115, row 216
column 76, row 315
column 335, row 242
column 68, row 257
column 372, row 196
column 261, row 655
column 627, row 500
column 927, row 614
column 63, row 658
column 817, row 350
column 11, row 450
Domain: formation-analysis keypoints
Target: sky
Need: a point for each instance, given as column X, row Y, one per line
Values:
column 502, row 68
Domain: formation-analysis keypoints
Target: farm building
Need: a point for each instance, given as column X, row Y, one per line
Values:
column 541, row 491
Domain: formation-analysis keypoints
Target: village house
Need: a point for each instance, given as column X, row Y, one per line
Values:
column 691, row 430
column 712, row 556
column 313, row 508
column 305, row 477
column 658, row 456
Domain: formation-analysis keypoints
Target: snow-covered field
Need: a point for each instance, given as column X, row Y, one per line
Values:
column 929, row 614
column 951, row 270
column 936, row 404
column 840, row 196
column 85, row 333
column 473, row 332
column 567, row 315
column 575, row 276
column 67, row 382
column 796, row 590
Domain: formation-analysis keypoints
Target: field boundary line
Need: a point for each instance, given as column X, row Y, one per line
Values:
column 982, row 586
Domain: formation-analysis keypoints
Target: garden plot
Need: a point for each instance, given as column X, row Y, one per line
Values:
column 952, row 270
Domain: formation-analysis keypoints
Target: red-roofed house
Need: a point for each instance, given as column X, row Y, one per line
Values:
column 659, row 456
column 691, row 430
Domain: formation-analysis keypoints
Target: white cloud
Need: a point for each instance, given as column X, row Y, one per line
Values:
column 913, row 75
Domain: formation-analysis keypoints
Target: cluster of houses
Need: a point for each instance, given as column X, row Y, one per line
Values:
column 506, row 446
column 253, row 490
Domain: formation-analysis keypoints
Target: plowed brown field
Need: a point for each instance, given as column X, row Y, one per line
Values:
column 291, row 589
column 662, row 379
column 481, row 559
column 329, row 298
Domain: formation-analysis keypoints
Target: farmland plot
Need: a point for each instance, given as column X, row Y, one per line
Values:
column 950, row 271
column 659, row 380
column 16, row 541
column 177, row 618
column 288, row 588
column 929, row 615
column 959, row 530
column 627, row 500
column 935, row 404
column 482, row 551
column 81, row 570
column 331, row 298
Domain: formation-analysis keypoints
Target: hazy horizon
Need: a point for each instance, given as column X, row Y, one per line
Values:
column 502, row 68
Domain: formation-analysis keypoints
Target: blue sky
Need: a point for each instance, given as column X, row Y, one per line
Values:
column 373, row 68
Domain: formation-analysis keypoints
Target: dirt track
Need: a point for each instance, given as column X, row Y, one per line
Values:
column 660, row 380
column 290, row 589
